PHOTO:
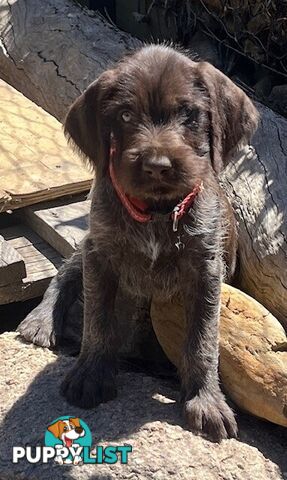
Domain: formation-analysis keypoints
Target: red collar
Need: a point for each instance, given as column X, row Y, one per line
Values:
column 137, row 208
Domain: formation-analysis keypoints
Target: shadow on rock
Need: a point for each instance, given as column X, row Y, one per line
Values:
column 142, row 400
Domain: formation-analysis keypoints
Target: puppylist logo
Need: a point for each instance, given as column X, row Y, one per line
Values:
column 68, row 440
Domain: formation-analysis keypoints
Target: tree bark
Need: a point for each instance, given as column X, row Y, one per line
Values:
column 52, row 49
column 256, row 184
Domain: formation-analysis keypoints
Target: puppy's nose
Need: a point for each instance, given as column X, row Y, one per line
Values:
column 157, row 167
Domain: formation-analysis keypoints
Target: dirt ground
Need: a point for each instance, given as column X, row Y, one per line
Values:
column 145, row 415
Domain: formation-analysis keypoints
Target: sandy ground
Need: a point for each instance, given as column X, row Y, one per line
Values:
column 145, row 415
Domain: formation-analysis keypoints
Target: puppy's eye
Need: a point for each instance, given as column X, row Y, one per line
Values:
column 191, row 116
column 126, row 116
column 65, row 429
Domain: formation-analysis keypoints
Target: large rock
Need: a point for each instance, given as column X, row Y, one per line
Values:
column 253, row 351
column 144, row 415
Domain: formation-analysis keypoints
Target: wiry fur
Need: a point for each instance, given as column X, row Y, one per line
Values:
column 194, row 116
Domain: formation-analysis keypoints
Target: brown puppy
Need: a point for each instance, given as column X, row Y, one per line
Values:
column 158, row 129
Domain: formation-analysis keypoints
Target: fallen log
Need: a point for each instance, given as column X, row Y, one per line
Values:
column 256, row 185
column 52, row 49
column 253, row 351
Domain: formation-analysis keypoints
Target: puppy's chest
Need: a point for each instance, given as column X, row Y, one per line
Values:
column 150, row 249
column 149, row 262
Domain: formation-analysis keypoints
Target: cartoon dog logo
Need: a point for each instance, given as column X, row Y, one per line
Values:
column 67, row 431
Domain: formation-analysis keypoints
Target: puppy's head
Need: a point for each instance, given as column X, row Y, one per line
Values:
column 67, row 430
column 172, row 122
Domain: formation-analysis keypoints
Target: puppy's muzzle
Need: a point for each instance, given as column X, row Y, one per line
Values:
column 157, row 168
column 78, row 430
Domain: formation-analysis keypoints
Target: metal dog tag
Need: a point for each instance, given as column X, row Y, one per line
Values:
column 179, row 244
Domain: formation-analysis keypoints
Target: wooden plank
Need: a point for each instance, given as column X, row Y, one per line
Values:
column 63, row 225
column 36, row 162
column 41, row 262
column 22, row 292
column 21, row 237
column 12, row 266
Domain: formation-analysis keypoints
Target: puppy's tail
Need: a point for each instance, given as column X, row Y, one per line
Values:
column 58, row 318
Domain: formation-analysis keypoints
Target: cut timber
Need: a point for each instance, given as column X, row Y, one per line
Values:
column 41, row 263
column 12, row 266
column 35, row 161
column 253, row 351
column 62, row 224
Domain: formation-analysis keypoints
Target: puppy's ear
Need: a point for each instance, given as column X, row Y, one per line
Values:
column 55, row 428
column 234, row 118
column 75, row 421
column 85, row 125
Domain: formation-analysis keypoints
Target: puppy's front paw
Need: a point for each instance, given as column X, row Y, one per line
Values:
column 59, row 460
column 38, row 327
column 90, row 383
column 209, row 414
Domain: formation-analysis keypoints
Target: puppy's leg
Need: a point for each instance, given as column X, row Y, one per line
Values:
column 44, row 325
column 204, row 406
column 38, row 326
column 92, row 379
